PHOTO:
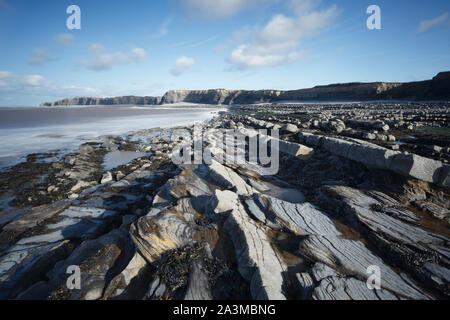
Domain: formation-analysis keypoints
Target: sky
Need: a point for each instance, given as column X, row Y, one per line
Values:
column 145, row 48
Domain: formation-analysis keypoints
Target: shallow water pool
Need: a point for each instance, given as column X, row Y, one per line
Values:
column 118, row 158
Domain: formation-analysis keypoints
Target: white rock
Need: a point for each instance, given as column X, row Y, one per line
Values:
column 227, row 178
column 257, row 261
column 107, row 177
column 81, row 185
column 391, row 138
column 223, row 201
column 292, row 128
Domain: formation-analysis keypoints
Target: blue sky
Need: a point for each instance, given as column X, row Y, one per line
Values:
column 141, row 47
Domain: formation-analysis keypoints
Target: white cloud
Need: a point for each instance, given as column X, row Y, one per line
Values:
column 220, row 8
column 137, row 53
column 278, row 42
column 104, row 61
column 34, row 84
column 5, row 74
column 65, row 39
column 11, row 82
column 182, row 64
column 39, row 57
column 427, row 25
column 34, row 80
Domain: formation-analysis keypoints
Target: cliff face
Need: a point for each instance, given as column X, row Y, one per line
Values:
column 348, row 91
column 436, row 89
column 84, row 101
column 220, row 96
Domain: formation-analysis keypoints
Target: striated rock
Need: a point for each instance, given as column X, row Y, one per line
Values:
column 16, row 229
column 257, row 261
column 437, row 211
column 96, row 258
column 389, row 228
column 333, row 286
column 353, row 258
column 164, row 230
column 300, row 218
column 22, row 264
column 411, row 165
column 325, row 283
column 306, row 284
column 227, row 179
column 198, row 288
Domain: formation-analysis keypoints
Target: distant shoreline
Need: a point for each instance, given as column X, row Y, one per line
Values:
column 436, row 89
column 166, row 106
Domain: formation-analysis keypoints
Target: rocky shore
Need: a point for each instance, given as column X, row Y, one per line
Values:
column 359, row 185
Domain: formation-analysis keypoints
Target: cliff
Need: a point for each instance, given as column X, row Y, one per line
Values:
column 437, row 88
column 86, row 101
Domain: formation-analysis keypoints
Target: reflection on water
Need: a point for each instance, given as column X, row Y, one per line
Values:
column 118, row 158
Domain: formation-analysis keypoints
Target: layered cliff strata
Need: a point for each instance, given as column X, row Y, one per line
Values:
column 436, row 89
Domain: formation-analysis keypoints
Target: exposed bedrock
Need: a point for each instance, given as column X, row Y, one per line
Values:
column 410, row 165
column 149, row 229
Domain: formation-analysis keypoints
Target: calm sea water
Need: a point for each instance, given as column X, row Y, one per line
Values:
column 34, row 130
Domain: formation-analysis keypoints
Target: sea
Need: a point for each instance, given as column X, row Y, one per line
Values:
column 26, row 130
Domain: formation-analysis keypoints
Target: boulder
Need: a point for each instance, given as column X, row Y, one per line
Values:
column 369, row 136
column 372, row 155
column 107, row 177
column 289, row 127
